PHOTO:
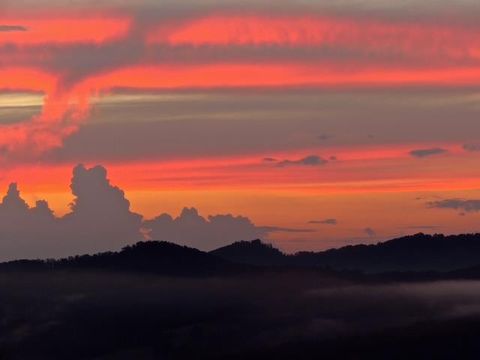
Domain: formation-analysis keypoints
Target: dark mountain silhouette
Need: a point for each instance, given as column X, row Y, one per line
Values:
column 147, row 256
column 415, row 253
column 253, row 252
column 435, row 256
column 419, row 252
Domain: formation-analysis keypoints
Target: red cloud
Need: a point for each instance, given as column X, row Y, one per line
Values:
column 361, row 34
column 65, row 105
column 63, row 30
column 47, row 129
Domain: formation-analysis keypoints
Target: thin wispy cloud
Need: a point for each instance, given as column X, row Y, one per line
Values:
column 324, row 222
column 467, row 206
column 471, row 147
column 311, row 160
column 12, row 28
column 423, row 153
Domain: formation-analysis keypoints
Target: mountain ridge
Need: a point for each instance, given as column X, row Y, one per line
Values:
column 456, row 254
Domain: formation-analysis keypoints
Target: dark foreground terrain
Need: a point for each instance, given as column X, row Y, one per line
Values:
column 157, row 300
column 81, row 315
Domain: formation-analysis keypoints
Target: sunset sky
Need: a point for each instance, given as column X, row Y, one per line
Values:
column 325, row 123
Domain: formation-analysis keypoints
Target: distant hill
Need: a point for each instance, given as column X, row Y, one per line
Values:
column 147, row 256
column 418, row 252
column 457, row 255
column 253, row 252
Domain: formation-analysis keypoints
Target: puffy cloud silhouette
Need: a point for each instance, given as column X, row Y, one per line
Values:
column 100, row 220
column 422, row 153
column 463, row 205
column 192, row 229
column 25, row 231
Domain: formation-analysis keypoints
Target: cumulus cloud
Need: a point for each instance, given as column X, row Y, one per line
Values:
column 324, row 222
column 422, row 153
column 12, row 28
column 25, row 231
column 100, row 220
column 208, row 233
column 192, row 229
column 467, row 206
column 311, row 160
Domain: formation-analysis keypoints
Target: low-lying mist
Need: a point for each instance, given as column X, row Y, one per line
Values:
column 150, row 317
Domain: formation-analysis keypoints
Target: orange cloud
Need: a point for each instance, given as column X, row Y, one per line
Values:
column 47, row 129
column 363, row 34
column 63, row 108
column 272, row 75
column 33, row 31
column 65, row 105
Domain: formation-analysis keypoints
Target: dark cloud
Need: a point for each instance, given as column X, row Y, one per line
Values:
column 269, row 159
column 311, row 160
column 471, row 147
column 421, row 153
column 192, row 229
column 463, row 205
column 12, row 28
column 370, row 232
column 324, row 222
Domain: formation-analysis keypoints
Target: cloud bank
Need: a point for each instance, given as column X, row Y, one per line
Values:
column 101, row 220
column 206, row 47
column 194, row 230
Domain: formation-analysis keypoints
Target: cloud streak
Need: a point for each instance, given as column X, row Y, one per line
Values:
column 468, row 206
column 423, row 153
column 311, row 160
column 369, row 35
column 12, row 28
column 324, row 222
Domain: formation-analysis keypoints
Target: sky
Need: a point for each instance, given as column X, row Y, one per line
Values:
column 311, row 124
